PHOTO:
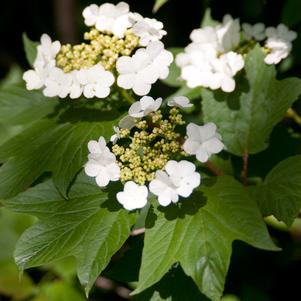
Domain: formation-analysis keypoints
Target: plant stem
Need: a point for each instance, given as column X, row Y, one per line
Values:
column 293, row 115
column 128, row 97
column 244, row 173
column 214, row 169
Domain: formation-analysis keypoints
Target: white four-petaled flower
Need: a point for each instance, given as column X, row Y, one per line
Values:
column 101, row 163
column 178, row 179
column 144, row 106
column 202, row 141
column 133, row 196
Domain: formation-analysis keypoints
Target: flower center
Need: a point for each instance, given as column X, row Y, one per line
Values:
column 150, row 145
column 103, row 48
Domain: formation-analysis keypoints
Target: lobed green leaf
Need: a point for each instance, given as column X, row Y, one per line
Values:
column 200, row 235
column 280, row 193
column 88, row 226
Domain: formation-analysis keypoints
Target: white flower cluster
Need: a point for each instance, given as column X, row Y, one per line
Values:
column 209, row 60
column 176, row 179
column 138, row 72
column 92, row 82
column 212, row 60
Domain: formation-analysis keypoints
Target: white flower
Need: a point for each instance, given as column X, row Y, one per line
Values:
column 281, row 32
column 228, row 34
column 224, row 69
column 95, row 81
column 108, row 17
column 180, row 101
column 222, row 38
column 114, row 138
column 46, row 52
column 35, row 79
column 205, row 35
column 57, row 83
column 279, row 50
column 256, row 31
column 148, row 30
column 44, row 63
column 133, row 196
column 179, row 179
column 279, row 42
column 202, row 141
column 144, row 106
column 101, row 163
column 144, row 68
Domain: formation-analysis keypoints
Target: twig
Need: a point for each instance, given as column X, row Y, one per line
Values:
column 244, row 173
column 66, row 20
column 214, row 169
column 293, row 115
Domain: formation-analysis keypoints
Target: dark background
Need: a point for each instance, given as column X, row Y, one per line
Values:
column 254, row 275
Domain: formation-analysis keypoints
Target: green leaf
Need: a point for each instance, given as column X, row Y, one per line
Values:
column 19, row 106
column 200, row 235
column 158, row 5
column 208, row 20
column 246, row 117
column 48, row 147
column 87, row 226
column 14, row 76
column 280, row 193
column 30, row 49
column 173, row 78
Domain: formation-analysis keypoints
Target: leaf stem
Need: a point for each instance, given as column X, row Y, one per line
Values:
column 214, row 169
column 244, row 173
column 291, row 113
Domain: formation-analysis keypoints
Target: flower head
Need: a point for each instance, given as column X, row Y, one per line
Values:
column 133, row 196
column 202, row 141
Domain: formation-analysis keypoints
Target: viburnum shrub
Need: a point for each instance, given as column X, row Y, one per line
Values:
column 98, row 158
